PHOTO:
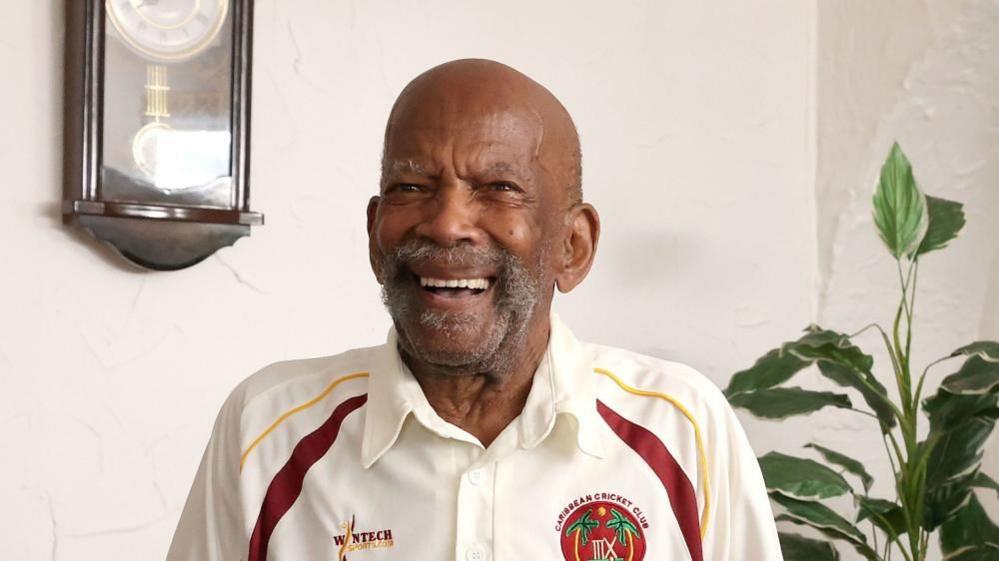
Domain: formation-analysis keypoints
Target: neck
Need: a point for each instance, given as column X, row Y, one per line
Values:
column 484, row 403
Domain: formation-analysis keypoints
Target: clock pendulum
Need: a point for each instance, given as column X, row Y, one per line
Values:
column 146, row 141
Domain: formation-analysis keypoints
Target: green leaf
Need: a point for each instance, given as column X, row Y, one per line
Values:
column 976, row 376
column 799, row 548
column 824, row 519
column 885, row 514
column 780, row 403
column 947, row 410
column 801, row 478
column 838, row 359
column 959, row 428
column 987, row 350
column 943, row 500
column 900, row 210
column 970, row 534
column 983, row 481
column 773, row 368
column 829, row 346
column 984, row 552
column 844, row 363
column 845, row 462
column 873, row 392
column 946, row 218
column 817, row 515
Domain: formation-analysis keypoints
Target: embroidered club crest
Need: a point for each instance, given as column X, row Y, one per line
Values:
column 602, row 531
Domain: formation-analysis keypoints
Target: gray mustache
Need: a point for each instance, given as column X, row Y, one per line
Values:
column 424, row 251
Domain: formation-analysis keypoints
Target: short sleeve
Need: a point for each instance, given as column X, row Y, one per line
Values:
column 211, row 525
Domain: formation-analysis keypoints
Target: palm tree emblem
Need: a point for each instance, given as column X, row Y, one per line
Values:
column 583, row 527
column 601, row 530
column 624, row 528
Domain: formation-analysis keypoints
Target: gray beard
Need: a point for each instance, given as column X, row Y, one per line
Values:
column 517, row 294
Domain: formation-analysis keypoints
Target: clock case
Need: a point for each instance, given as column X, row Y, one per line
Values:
column 157, row 235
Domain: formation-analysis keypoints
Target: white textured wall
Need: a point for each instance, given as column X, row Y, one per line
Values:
column 696, row 131
column 699, row 150
column 923, row 72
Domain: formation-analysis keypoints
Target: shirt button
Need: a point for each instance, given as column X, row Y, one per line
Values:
column 476, row 553
column 476, row 477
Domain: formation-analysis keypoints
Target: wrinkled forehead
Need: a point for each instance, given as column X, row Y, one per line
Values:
column 487, row 133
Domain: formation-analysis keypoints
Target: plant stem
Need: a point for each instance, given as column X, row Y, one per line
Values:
column 905, row 287
column 863, row 329
column 911, row 481
column 874, row 534
column 895, row 366
column 914, row 271
column 891, row 459
column 862, row 412
column 922, row 377
column 901, row 378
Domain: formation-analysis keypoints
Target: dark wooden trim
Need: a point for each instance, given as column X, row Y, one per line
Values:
column 242, row 80
column 72, row 123
column 83, row 98
column 163, row 212
column 94, row 100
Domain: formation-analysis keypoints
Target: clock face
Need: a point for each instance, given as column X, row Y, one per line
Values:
column 168, row 30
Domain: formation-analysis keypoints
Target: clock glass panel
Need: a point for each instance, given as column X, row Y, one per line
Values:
column 167, row 93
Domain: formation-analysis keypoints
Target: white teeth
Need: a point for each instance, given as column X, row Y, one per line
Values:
column 478, row 284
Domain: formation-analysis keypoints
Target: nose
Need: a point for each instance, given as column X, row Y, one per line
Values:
column 451, row 218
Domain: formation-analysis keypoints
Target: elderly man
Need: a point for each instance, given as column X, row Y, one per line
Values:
column 482, row 429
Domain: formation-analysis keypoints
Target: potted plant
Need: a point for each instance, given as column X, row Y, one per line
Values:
column 934, row 473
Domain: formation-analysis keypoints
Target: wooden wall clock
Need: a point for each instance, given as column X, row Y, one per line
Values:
column 157, row 126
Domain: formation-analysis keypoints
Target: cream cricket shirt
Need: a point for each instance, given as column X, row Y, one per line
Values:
column 616, row 456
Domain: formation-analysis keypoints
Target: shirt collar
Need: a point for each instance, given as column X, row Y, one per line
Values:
column 563, row 391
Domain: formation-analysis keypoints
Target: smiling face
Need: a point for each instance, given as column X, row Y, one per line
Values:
column 467, row 234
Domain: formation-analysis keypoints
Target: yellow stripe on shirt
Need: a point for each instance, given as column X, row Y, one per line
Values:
column 284, row 416
column 702, row 458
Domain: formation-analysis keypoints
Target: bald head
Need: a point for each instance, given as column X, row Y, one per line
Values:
column 470, row 91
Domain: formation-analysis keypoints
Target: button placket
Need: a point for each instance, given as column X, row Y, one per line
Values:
column 475, row 514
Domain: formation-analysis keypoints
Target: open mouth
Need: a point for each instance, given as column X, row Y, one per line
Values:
column 456, row 288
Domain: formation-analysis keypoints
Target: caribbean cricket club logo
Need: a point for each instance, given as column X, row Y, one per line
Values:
column 354, row 540
column 602, row 527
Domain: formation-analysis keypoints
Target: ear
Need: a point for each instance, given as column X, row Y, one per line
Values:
column 374, row 256
column 579, row 246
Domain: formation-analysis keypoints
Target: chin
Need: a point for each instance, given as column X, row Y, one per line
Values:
column 454, row 341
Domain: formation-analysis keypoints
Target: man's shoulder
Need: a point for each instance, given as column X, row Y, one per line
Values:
column 631, row 376
column 298, row 379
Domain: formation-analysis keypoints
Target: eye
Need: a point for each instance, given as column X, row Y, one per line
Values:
column 501, row 186
column 405, row 188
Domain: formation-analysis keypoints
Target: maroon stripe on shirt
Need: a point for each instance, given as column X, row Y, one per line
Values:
column 287, row 484
column 682, row 497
